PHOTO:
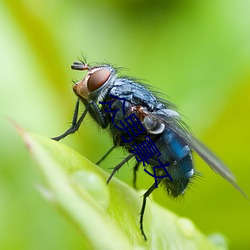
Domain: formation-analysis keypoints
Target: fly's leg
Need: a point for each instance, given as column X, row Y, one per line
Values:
column 134, row 173
column 145, row 196
column 105, row 155
column 75, row 124
column 90, row 107
column 97, row 114
column 119, row 166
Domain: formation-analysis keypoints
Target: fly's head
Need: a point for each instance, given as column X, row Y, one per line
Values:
column 95, row 81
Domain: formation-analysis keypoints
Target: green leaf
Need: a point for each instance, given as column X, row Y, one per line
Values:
column 107, row 216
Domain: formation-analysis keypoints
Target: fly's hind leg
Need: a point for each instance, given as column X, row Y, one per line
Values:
column 144, row 201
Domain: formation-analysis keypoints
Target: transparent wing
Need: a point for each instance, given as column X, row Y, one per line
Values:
column 175, row 124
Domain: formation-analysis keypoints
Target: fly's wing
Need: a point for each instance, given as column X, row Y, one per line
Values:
column 212, row 160
column 175, row 124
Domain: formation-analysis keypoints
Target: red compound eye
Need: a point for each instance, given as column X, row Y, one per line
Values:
column 97, row 79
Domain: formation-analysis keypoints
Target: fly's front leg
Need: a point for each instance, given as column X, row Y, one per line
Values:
column 99, row 116
column 75, row 124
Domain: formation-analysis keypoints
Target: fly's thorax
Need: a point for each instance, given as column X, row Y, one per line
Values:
column 154, row 122
column 93, row 85
column 152, row 125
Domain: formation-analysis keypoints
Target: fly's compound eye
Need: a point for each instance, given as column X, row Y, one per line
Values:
column 97, row 79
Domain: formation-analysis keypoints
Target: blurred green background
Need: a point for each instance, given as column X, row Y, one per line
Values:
column 196, row 52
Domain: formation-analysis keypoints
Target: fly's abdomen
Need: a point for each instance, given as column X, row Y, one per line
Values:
column 178, row 154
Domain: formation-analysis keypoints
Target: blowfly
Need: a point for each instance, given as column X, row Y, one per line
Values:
column 148, row 127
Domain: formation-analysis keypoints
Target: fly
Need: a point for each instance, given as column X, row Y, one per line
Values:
column 111, row 100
